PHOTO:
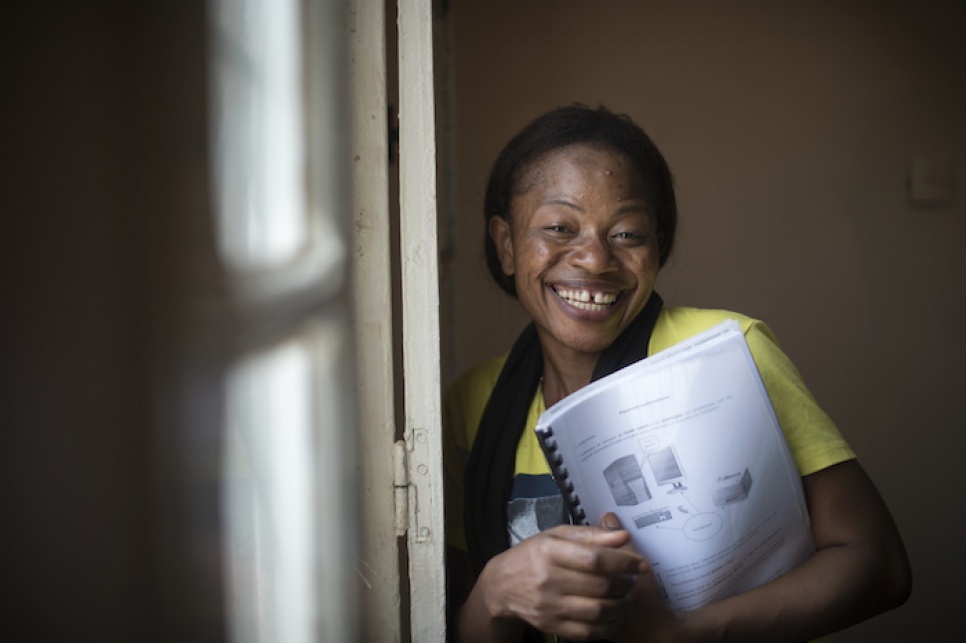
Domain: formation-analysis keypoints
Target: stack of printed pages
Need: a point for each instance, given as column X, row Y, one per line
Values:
column 685, row 448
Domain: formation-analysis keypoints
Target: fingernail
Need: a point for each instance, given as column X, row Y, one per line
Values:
column 610, row 521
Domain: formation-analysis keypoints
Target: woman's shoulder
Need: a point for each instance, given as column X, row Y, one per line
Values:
column 678, row 323
column 467, row 396
column 481, row 377
column 688, row 317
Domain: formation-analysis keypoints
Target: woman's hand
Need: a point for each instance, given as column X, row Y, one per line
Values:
column 570, row 581
column 648, row 617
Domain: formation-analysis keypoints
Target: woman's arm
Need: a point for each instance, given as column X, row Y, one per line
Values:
column 859, row 570
column 570, row 581
column 466, row 620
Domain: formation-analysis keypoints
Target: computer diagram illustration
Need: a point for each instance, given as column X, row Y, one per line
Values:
column 655, row 481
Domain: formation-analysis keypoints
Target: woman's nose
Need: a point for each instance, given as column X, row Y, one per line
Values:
column 594, row 255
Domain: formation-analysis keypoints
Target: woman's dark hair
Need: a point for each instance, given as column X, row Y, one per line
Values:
column 568, row 126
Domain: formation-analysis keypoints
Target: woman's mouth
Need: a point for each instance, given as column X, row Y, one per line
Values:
column 590, row 300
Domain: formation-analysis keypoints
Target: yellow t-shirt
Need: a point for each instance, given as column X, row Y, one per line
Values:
column 535, row 503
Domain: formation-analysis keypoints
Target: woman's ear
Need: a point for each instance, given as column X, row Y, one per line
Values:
column 503, row 240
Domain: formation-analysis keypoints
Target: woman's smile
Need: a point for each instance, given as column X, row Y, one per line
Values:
column 586, row 304
column 585, row 299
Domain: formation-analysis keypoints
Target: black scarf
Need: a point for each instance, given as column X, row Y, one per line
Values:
column 489, row 470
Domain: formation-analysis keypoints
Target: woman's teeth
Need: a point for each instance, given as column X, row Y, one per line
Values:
column 584, row 300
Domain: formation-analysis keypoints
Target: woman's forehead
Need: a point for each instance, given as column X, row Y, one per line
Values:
column 572, row 162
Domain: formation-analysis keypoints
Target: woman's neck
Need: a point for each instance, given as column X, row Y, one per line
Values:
column 561, row 377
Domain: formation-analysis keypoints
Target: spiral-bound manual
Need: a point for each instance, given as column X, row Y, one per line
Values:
column 685, row 448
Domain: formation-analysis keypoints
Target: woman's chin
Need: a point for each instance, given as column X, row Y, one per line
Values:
column 587, row 329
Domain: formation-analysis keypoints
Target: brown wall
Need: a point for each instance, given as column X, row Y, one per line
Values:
column 789, row 128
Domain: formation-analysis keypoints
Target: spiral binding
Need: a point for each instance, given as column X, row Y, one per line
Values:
column 560, row 475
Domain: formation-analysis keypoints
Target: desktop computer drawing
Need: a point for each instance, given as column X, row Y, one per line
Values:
column 626, row 481
column 733, row 488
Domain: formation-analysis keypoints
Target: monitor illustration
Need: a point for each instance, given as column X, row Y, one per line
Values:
column 666, row 469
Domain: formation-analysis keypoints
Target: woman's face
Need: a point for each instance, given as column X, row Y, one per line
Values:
column 581, row 247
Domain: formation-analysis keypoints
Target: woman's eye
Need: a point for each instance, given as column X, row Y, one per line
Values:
column 628, row 236
column 557, row 229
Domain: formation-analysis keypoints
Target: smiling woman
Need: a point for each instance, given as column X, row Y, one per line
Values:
column 580, row 217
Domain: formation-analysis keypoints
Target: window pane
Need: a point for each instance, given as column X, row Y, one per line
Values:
column 267, row 504
column 290, row 521
column 258, row 131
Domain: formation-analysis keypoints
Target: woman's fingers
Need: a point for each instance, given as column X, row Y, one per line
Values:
column 594, row 550
column 572, row 581
column 590, row 535
column 568, row 582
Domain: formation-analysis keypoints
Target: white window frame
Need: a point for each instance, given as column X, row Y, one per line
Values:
column 412, row 470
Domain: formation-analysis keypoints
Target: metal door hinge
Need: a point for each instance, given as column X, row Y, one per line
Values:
column 400, row 481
